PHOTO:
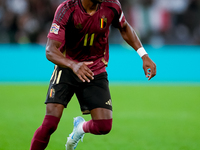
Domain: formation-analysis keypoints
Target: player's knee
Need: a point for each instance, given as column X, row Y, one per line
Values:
column 103, row 126
column 50, row 123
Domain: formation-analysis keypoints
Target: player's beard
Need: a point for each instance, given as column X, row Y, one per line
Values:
column 97, row 1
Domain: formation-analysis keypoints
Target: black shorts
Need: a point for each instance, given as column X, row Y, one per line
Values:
column 64, row 83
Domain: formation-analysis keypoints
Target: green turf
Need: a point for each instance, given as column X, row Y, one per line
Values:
column 145, row 118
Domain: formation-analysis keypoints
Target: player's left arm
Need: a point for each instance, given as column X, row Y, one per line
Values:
column 132, row 39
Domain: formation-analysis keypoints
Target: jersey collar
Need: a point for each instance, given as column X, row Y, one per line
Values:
column 83, row 9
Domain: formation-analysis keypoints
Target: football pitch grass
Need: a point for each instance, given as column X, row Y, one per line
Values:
column 152, row 117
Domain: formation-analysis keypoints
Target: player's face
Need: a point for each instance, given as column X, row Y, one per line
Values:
column 97, row 1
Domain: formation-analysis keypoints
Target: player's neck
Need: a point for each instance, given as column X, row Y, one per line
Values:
column 89, row 6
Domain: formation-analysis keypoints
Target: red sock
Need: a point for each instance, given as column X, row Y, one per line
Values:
column 98, row 127
column 42, row 134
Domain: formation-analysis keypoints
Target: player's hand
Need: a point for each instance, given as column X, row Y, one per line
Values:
column 149, row 67
column 82, row 71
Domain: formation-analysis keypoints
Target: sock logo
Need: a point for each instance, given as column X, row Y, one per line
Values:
column 109, row 102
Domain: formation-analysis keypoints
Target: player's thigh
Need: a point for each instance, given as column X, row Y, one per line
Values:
column 54, row 109
column 59, row 94
column 57, row 99
column 61, row 89
column 96, row 95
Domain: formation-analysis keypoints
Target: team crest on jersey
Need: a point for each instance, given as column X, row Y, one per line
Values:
column 103, row 22
column 54, row 28
column 52, row 93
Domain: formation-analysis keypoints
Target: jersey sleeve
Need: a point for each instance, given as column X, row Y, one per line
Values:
column 119, row 18
column 61, row 17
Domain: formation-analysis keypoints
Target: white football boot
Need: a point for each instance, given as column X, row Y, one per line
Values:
column 75, row 136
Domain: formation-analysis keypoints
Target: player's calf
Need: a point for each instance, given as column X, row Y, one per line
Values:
column 42, row 134
column 98, row 127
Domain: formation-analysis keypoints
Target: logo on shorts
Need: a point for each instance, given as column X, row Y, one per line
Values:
column 52, row 93
column 109, row 102
column 54, row 28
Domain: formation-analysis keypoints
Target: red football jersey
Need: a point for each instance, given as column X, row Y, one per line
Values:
column 85, row 37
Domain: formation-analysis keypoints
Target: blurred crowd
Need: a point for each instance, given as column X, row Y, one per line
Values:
column 156, row 22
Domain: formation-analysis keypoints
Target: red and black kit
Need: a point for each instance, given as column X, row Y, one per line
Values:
column 84, row 38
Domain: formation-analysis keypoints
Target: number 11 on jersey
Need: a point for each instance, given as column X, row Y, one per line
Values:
column 86, row 40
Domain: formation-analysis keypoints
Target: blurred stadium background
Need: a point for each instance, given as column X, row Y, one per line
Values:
column 169, row 30
column 164, row 112
column 156, row 21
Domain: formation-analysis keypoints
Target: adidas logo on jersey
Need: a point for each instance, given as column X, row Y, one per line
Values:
column 79, row 26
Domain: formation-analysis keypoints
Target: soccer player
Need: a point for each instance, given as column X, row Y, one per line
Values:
column 78, row 46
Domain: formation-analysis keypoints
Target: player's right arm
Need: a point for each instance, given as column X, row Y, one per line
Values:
column 56, row 38
column 54, row 55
